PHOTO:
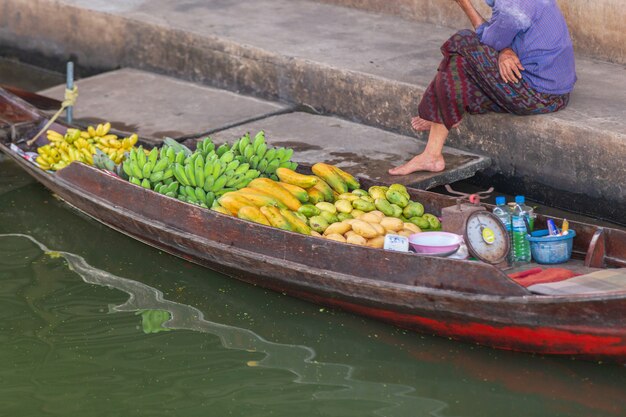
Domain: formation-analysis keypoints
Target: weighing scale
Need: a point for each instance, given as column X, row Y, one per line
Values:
column 484, row 234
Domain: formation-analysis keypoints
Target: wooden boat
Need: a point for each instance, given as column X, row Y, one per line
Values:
column 464, row 300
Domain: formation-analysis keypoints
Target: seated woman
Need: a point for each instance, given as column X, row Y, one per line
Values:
column 520, row 62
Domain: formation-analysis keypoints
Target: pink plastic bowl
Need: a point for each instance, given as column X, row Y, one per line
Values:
column 435, row 242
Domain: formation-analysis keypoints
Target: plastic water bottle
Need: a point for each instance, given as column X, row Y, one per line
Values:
column 530, row 212
column 521, row 245
column 503, row 213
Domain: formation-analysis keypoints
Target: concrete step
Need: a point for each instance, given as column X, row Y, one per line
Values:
column 363, row 67
column 155, row 106
column 596, row 27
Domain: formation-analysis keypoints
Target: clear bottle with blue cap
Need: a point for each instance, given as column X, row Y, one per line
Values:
column 502, row 212
column 519, row 219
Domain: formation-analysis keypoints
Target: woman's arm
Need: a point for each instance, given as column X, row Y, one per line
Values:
column 475, row 18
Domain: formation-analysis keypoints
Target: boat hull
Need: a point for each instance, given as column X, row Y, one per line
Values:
column 520, row 322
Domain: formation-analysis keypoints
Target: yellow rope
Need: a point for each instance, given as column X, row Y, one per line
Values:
column 70, row 100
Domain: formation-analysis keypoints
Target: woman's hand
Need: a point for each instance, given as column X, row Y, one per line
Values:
column 510, row 66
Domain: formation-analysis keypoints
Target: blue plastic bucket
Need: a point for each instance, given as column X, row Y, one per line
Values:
column 551, row 249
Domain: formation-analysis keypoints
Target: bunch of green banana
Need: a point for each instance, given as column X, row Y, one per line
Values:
column 102, row 161
column 204, row 178
column 149, row 170
column 205, row 146
column 176, row 146
column 261, row 157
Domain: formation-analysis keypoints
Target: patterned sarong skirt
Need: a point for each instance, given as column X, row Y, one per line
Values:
column 468, row 81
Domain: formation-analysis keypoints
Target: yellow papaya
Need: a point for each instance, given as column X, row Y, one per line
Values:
column 350, row 180
column 275, row 218
column 298, row 192
column 274, row 189
column 292, row 177
column 315, row 196
column 222, row 210
column 298, row 225
column 233, row 203
column 325, row 189
column 258, row 198
column 252, row 214
column 332, row 177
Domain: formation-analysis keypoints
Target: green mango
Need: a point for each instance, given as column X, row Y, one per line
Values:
column 413, row 210
column 360, row 192
column 344, row 216
column 398, row 187
column 309, row 210
column 433, row 221
column 420, row 222
column 363, row 205
column 377, row 192
column 396, row 197
column 385, row 206
column 343, row 206
column 397, row 210
column 318, row 223
column 301, row 216
column 329, row 217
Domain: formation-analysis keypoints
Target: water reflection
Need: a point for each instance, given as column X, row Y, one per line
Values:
column 159, row 314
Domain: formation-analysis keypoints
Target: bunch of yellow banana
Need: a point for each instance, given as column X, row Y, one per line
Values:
column 77, row 145
column 64, row 150
column 109, row 143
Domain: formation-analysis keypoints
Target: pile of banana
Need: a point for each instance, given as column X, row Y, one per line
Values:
column 198, row 177
column 64, row 149
column 259, row 155
column 82, row 146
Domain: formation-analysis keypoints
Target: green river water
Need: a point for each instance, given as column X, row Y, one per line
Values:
column 94, row 323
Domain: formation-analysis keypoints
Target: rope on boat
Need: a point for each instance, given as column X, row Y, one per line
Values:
column 70, row 100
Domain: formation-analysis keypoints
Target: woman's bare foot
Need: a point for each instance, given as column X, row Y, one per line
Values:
column 421, row 125
column 421, row 162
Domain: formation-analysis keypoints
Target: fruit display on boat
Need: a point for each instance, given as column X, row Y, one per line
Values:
column 251, row 181
column 83, row 146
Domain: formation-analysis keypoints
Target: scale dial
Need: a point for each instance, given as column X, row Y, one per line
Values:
column 486, row 237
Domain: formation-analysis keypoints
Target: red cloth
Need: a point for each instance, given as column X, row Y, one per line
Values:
column 541, row 276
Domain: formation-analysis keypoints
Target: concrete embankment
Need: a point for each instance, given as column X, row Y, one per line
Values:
column 364, row 67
